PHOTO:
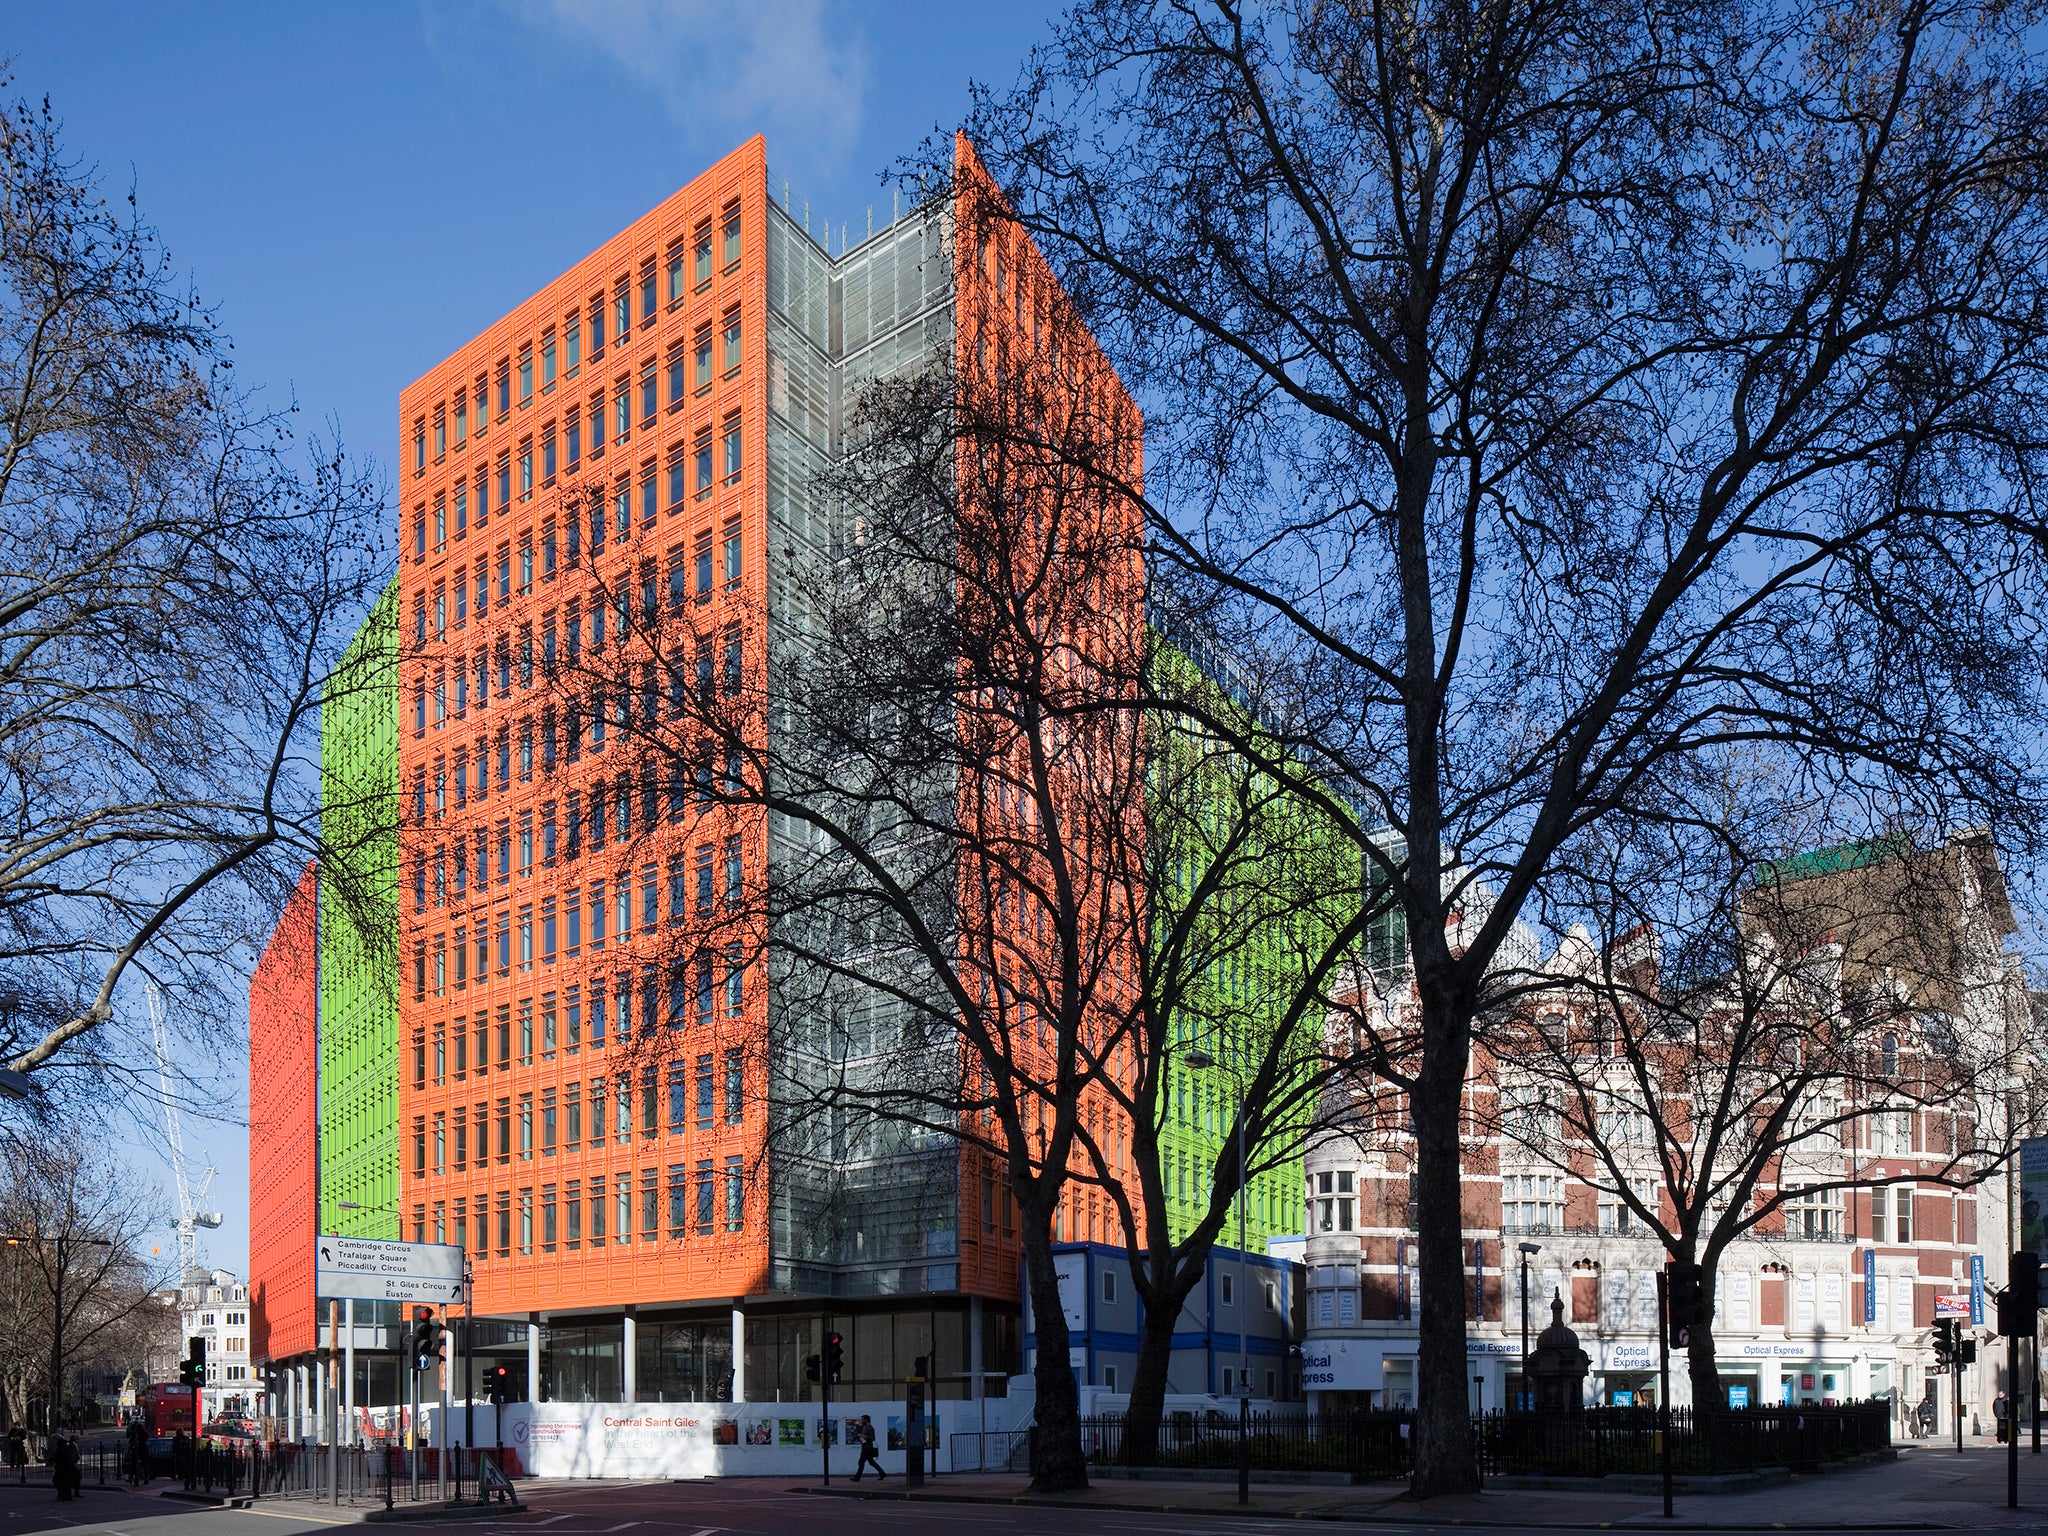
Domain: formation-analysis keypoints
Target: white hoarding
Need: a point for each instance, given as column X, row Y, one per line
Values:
column 366, row 1269
column 712, row 1439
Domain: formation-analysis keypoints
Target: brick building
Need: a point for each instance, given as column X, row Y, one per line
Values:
column 1832, row 1296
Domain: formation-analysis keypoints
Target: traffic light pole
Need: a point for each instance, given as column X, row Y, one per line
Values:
column 1956, row 1392
column 2012, row 1421
column 468, row 1358
column 825, row 1397
column 1664, row 1382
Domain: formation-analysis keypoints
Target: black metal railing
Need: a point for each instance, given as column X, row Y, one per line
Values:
column 374, row 1474
column 1598, row 1442
column 1374, row 1445
column 1366, row 1445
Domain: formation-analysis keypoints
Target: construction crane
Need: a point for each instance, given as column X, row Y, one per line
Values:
column 189, row 1218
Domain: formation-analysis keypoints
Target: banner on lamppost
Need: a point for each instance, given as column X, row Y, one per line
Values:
column 2034, row 1196
column 1976, row 1290
column 1869, row 1286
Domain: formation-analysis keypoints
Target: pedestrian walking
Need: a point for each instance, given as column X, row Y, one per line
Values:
column 868, row 1458
column 1926, row 1418
column 138, row 1452
column 1998, row 1412
column 17, row 1452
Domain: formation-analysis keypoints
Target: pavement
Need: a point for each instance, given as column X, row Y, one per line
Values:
column 1927, row 1488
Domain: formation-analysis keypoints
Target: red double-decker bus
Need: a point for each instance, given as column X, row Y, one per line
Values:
column 166, row 1408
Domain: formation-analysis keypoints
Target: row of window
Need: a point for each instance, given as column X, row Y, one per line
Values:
column 564, row 545
column 598, row 1212
column 560, row 349
column 1629, row 1300
column 453, row 688
column 712, row 1091
column 700, row 990
column 715, row 875
column 693, row 470
column 449, row 873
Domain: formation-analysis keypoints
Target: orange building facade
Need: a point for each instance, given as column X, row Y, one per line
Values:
column 579, row 1110
column 284, row 1128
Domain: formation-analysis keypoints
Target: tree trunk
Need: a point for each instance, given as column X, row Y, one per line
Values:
column 56, row 1397
column 1148, row 1382
column 1057, row 1462
column 1704, row 1374
column 1444, row 1458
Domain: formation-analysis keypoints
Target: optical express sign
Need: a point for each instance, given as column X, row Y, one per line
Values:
column 1356, row 1365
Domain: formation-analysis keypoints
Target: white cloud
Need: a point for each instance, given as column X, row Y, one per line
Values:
column 781, row 67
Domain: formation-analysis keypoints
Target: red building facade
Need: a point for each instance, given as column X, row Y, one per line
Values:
column 284, row 1130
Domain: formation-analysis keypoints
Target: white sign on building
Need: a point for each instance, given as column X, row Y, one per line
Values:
column 368, row 1269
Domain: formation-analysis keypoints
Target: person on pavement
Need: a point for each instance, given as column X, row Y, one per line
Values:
column 1998, row 1410
column 64, row 1476
column 868, row 1458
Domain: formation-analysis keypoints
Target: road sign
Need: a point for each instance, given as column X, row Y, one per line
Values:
column 365, row 1269
column 1953, row 1305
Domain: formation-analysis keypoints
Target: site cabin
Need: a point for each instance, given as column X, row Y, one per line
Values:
column 166, row 1408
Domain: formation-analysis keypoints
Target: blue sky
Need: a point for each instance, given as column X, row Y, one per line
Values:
column 360, row 187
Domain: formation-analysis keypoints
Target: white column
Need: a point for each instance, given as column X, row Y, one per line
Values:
column 348, row 1373
column 533, row 1362
column 629, row 1373
column 739, row 1354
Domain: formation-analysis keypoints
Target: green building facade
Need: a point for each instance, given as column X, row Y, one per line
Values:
column 359, row 970
column 1281, row 880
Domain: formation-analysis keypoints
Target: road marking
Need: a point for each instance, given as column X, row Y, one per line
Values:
column 280, row 1514
column 625, row 1527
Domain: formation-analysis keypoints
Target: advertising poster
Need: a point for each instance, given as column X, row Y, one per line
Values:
column 2034, row 1196
column 789, row 1431
column 760, row 1431
column 828, row 1431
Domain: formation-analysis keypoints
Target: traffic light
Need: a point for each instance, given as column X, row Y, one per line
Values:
column 812, row 1370
column 2022, row 1298
column 192, row 1369
column 1681, row 1299
column 835, row 1357
column 1944, row 1343
column 429, row 1340
column 498, row 1381
column 1966, row 1352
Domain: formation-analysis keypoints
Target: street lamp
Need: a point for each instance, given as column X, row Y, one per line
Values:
column 1199, row 1058
column 13, row 1084
column 1527, row 1250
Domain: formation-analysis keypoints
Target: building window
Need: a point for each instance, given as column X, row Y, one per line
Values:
column 1532, row 1202
column 1815, row 1214
column 731, row 237
column 732, row 451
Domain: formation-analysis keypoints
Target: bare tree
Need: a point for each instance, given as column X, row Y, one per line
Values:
column 1571, row 391
column 171, row 583
column 1009, row 875
column 78, row 1272
column 1756, row 1039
